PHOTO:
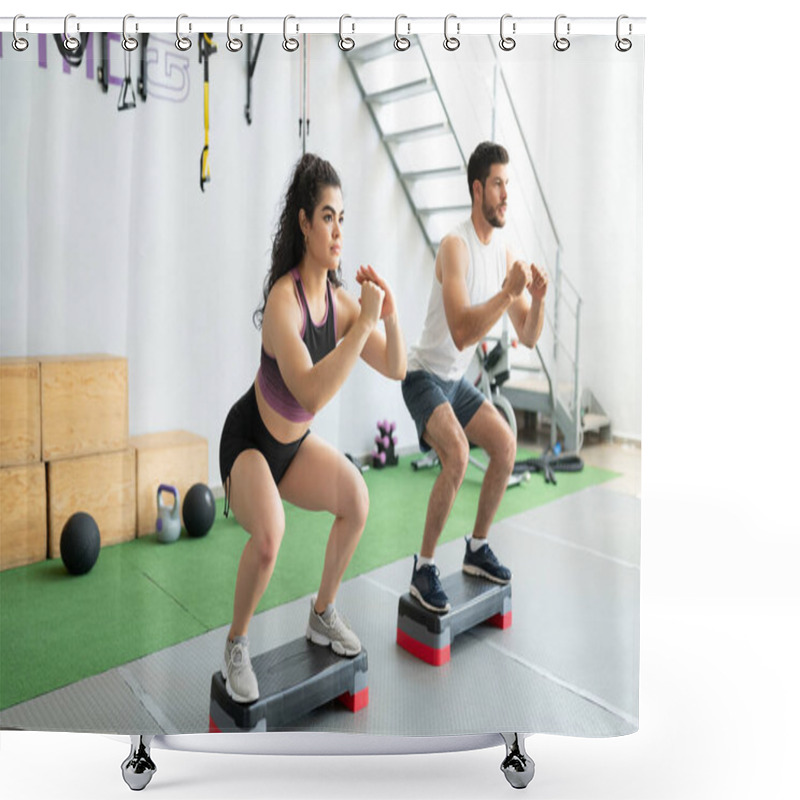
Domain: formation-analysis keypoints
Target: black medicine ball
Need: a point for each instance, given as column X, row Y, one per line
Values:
column 80, row 543
column 199, row 510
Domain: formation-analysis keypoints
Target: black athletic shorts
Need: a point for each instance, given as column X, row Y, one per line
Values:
column 423, row 392
column 245, row 430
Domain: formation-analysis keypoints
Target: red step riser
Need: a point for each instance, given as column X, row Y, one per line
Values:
column 501, row 621
column 423, row 651
column 355, row 702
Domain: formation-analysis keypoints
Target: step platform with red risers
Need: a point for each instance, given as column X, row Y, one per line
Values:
column 293, row 680
column 428, row 635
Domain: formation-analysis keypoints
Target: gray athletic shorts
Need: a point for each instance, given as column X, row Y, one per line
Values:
column 423, row 392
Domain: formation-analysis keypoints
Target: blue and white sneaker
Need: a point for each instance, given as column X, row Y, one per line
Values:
column 483, row 563
column 427, row 588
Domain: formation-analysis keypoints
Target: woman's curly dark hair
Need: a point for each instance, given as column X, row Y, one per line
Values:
column 311, row 175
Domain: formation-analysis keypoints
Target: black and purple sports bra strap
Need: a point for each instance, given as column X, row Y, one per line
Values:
column 298, row 285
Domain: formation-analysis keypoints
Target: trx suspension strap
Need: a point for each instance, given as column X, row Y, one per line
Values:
column 142, row 84
column 127, row 97
column 206, row 49
column 252, row 58
column 102, row 70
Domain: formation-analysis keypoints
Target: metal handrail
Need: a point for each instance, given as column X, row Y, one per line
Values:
column 560, row 276
column 525, row 144
column 571, row 284
column 443, row 104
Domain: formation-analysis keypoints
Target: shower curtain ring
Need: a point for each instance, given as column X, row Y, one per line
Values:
column 561, row 43
column 451, row 42
column 19, row 44
column 345, row 42
column 70, row 42
column 128, row 42
column 623, row 45
column 507, row 42
column 289, row 44
column 233, row 44
column 400, row 42
column 182, row 42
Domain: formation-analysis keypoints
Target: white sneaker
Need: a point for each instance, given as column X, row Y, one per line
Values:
column 240, row 680
column 334, row 632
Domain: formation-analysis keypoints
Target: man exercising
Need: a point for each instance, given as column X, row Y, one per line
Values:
column 476, row 281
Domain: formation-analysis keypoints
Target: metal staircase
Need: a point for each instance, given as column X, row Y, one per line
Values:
column 430, row 164
column 427, row 158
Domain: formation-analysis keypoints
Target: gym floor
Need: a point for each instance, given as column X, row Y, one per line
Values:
column 568, row 664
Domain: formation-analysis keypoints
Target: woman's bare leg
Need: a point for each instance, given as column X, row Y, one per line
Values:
column 320, row 478
column 257, row 506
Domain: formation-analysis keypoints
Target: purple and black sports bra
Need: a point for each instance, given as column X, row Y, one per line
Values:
column 319, row 339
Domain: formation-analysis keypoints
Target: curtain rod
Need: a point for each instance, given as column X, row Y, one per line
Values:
column 350, row 25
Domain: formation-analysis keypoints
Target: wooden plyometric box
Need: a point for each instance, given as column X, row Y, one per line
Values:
column 176, row 458
column 102, row 485
column 23, row 515
column 20, row 412
column 84, row 405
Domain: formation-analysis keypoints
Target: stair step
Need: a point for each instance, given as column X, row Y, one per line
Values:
column 439, row 172
column 401, row 92
column 595, row 422
column 424, row 132
column 374, row 50
column 444, row 209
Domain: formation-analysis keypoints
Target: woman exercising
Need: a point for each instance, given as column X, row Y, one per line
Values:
column 267, row 452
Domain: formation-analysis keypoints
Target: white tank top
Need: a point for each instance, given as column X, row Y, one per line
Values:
column 436, row 352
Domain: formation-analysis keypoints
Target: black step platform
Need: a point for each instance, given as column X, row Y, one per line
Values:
column 428, row 635
column 293, row 680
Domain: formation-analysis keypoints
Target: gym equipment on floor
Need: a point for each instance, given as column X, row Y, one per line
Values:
column 199, row 510
column 549, row 463
column 293, row 680
column 361, row 466
column 168, row 522
column 428, row 635
column 80, row 543
column 384, row 455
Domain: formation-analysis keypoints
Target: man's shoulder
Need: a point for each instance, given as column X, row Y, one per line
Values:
column 454, row 243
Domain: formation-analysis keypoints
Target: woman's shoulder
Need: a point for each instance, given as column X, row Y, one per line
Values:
column 283, row 295
column 282, row 289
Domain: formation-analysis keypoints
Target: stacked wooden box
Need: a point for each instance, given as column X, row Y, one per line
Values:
column 90, row 464
column 64, row 447
column 23, row 496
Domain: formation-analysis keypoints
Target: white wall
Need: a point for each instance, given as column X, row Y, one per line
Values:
column 108, row 244
column 586, row 140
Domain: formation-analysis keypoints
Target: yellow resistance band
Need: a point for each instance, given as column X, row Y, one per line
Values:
column 205, row 172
